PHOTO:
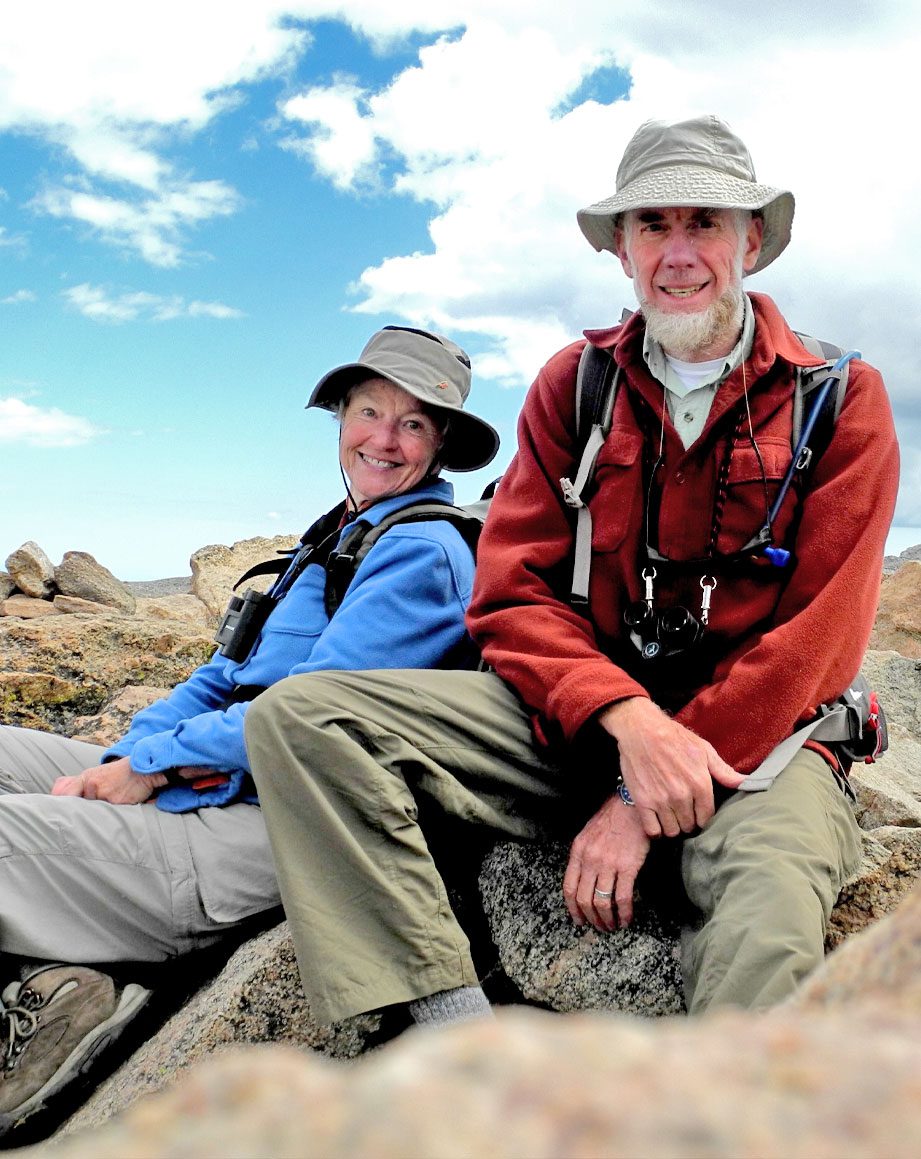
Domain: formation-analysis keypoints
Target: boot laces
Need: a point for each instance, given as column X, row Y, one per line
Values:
column 18, row 1024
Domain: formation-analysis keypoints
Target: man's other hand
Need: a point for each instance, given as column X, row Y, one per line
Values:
column 115, row 782
column 603, row 863
column 668, row 769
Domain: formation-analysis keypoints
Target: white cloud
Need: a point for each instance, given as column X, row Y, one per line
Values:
column 97, row 303
column 342, row 145
column 21, row 422
column 113, row 84
column 102, row 62
column 10, row 240
column 154, row 226
column 492, row 131
column 18, row 297
column 487, row 127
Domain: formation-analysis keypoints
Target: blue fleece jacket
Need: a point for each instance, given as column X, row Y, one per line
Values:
column 404, row 609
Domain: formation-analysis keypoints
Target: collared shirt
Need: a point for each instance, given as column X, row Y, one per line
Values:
column 690, row 387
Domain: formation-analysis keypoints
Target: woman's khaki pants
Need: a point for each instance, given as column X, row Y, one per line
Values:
column 86, row 881
column 345, row 763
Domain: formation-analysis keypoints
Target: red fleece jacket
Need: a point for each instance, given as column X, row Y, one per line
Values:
column 780, row 642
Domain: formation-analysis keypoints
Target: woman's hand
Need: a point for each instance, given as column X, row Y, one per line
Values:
column 115, row 782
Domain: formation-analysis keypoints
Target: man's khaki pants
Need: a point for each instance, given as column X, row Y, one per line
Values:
column 345, row 762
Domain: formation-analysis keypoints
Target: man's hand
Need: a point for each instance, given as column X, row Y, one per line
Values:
column 606, row 856
column 668, row 769
column 114, row 782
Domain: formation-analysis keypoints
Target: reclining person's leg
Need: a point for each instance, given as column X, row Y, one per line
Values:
column 31, row 761
column 340, row 761
column 90, row 882
column 87, row 881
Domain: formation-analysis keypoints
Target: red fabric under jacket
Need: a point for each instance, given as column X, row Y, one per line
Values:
column 780, row 643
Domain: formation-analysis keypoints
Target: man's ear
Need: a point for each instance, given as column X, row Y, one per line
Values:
column 620, row 248
column 754, row 236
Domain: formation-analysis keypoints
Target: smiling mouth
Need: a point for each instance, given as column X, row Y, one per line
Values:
column 681, row 291
column 383, row 464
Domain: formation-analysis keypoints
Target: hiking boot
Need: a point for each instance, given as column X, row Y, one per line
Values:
column 53, row 1024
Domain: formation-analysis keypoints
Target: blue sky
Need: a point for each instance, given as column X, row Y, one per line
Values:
column 204, row 206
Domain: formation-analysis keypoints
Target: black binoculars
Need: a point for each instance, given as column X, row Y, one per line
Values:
column 242, row 623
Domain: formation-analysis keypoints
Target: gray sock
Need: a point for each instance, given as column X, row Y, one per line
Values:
column 458, row 1005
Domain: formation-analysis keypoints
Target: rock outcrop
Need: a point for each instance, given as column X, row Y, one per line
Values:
column 564, row 967
column 833, row 1073
column 33, row 577
column 879, row 967
column 28, row 607
column 898, row 620
column 59, row 668
column 67, row 653
column 892, row 563
column 256, row 998
column 216, row 568
column 78, row 574
column 31, row 571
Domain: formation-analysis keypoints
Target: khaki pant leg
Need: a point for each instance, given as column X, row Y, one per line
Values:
column 87, row 881
column 31, row 761
column 340, row 762
column 765, row 873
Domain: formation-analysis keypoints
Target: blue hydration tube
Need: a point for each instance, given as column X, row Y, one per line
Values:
column 802, row 454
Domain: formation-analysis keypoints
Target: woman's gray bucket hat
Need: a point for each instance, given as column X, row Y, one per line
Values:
column 432, row 369
column 699, row 162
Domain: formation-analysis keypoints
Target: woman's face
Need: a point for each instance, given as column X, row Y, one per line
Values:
column 387, row 441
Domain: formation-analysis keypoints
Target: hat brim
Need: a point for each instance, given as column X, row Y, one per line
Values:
column 470, row 442
column 691, row 185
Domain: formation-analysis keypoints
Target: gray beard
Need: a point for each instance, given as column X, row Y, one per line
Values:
column 685, row 336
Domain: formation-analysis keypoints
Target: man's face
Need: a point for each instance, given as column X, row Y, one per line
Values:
column 689, row 261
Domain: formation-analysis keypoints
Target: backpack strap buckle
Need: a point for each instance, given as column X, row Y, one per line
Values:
column 570, row 494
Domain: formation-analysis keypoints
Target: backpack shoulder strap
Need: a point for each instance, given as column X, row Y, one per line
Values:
column 268, row 567
column 809, row 379
column 594, row 376
column 596, row 391
column 344, row 563
column 315, row 536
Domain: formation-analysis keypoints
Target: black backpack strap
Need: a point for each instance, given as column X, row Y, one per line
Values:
column 809, row 379
column 268, row 567
column 818, row 395
column 315, row 535
column 345, row 562
column 596, row 392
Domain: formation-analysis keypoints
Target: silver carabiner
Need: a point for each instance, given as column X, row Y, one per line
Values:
column 647, row 579
column 707, row 589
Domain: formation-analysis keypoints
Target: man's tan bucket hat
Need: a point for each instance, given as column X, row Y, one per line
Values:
column 431, row 368
column 699, row 162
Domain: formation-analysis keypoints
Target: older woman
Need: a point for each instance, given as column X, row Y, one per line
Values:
column 87, row 878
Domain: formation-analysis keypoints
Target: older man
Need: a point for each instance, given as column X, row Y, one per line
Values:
column 700, row 648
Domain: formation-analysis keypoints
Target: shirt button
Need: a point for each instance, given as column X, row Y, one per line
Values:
column 688, row 416
column 679, row 476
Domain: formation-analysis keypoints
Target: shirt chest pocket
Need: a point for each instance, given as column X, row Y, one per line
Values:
column 616, row 504
column 751, row 487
